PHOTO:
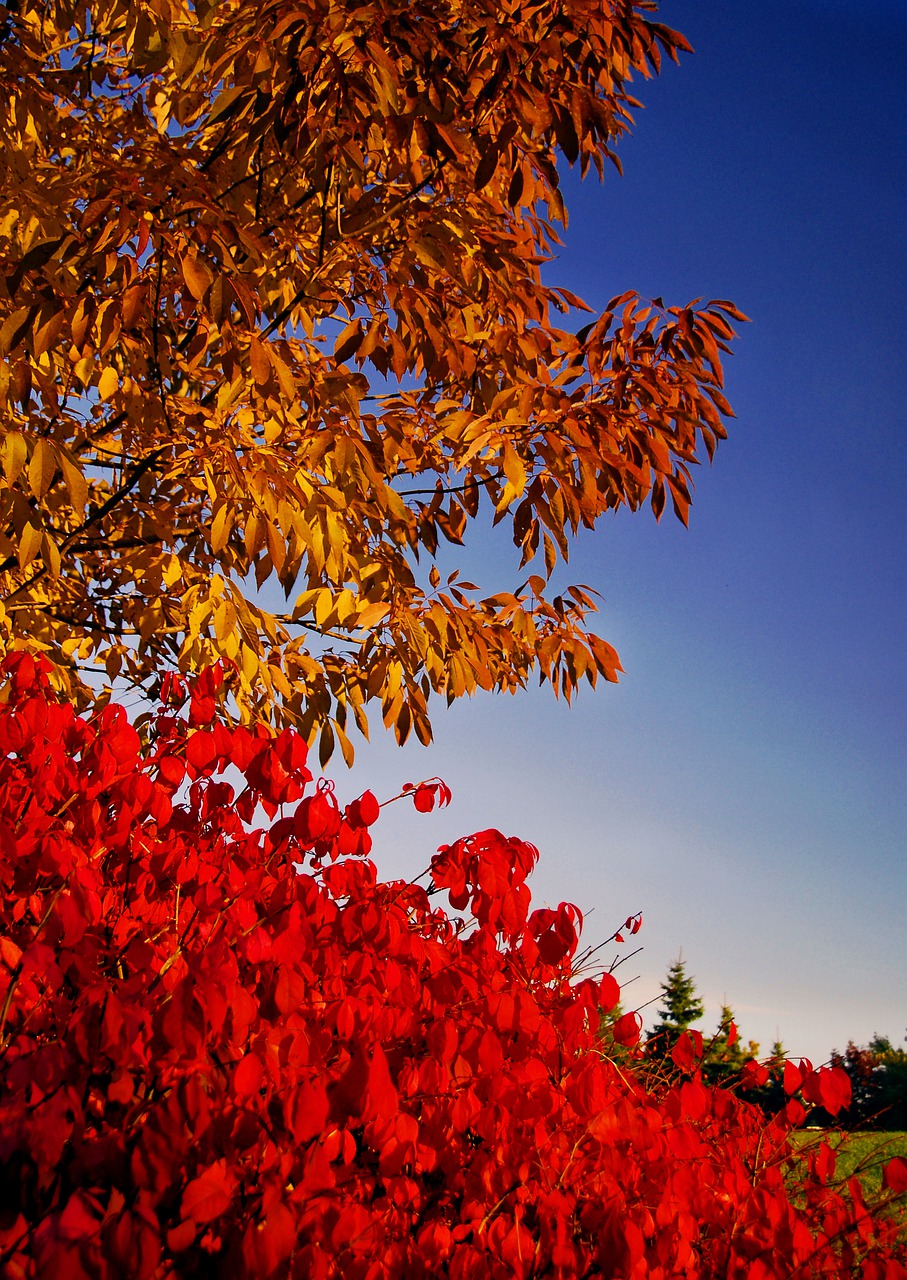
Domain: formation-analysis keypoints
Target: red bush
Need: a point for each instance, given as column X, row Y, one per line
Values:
column 214, row 1066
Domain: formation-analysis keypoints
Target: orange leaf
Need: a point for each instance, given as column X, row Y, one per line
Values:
column 197, row 275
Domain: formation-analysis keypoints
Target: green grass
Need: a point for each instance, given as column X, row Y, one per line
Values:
column 864, row 1154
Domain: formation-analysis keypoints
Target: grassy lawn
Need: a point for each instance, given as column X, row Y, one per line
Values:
column 864, row 1154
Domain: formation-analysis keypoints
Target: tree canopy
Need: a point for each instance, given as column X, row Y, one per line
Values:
column 273, row 310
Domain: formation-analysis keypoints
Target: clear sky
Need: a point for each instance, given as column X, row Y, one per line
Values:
column 745, row 785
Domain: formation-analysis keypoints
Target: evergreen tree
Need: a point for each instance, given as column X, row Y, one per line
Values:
column 680, row 1005
column 727, row 1052
column 727, row 1047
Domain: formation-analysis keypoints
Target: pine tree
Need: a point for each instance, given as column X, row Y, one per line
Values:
column 680, row 1005
column 727, row 1052
column 726, row 1046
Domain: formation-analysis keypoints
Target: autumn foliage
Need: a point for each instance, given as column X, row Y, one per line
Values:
column 273, row 315
column 236, row 1052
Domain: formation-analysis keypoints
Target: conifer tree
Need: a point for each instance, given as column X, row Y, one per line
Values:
column 680, row 1004
column 727, row 1051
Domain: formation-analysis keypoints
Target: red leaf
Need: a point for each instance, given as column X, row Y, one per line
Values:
column 894, row 1175
column 172, row 769
column 825, row 1162
column 307, row 1111
column 365, row 1090
column 835, row 1089
column 181, row 1237
column 201, row 710
column 429, row 793
column 684, row 1053
column 201, row 751
column 173, row 689
column 363, row 812
column 753, row 1074
column 424, row 799
column 415, row 1056
column 270, row 1241
column 210, row 1194
column 694, row 1099
column 609, row 992
column 627, row 1029
column 793, row 1077
column 247, row 1076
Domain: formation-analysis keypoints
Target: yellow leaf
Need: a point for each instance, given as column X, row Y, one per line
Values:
column 133, row 301
column 249, row 663
column 197, row 617
column 173, row 570
column 346, row 747
column 304, row 358
column 108, row 383
column 221, row 527
column 13, row 328
column 15, row 455
column 345, row 605
column 284, row 377
column 276, row 545
column 51, row 555
column 76, row 484
column 254, row 535
column 42, row 467
column 513, row 468
column 47, row 335
column 348, row 341
column 29, row 542
column 224, row 620
column 324, row 603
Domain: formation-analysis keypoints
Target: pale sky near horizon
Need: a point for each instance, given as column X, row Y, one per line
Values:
column 745, row 786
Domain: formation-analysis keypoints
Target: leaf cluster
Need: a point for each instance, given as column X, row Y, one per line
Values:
column 211, row 1064
column 272, row 318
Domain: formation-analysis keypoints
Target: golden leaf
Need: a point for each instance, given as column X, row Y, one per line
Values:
column 41, row 467
column 108, row 383
column 29, row 545
column 15, row 455
column 76, row 484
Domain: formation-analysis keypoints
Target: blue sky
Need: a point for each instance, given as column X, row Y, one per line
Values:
column 745, row 785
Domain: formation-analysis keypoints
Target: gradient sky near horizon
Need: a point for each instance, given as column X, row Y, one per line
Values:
column 745, row 786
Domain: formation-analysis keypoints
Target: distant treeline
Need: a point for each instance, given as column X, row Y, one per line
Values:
column 877, row 1071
